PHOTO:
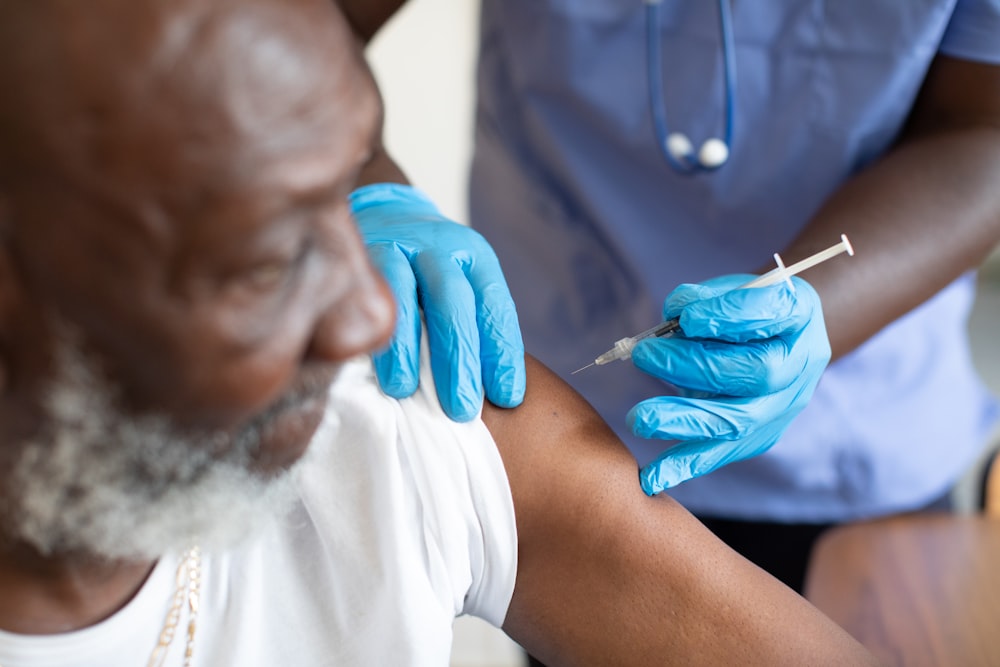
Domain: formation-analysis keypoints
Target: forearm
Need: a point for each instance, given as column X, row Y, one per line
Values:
column 926, row 213
column 921, row 216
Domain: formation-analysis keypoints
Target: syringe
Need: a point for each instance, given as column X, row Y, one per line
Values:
column 623, row 348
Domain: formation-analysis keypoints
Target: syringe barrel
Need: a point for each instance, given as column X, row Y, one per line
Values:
column 622, row 349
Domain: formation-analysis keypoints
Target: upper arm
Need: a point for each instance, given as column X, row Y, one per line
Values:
column 607, row 575
column 957, row 94
column 367, row 16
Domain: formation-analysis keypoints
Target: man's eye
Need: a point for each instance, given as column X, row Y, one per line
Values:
column 266, row 276
column 277, row 272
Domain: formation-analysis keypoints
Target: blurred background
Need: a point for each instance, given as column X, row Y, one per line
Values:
column 424, row 61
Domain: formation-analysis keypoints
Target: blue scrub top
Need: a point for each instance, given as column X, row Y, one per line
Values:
column 594, row 229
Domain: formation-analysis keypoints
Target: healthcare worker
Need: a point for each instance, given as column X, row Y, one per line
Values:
column 875, row 118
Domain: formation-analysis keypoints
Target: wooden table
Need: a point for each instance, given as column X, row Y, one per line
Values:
column 921, row 589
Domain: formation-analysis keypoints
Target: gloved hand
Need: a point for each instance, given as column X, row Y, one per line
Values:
column 747, row 363
column 452, row 273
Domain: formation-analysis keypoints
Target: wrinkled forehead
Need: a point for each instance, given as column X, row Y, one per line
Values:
column 140, row 95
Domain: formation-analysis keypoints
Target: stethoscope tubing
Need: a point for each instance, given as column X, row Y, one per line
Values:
column 688, row 164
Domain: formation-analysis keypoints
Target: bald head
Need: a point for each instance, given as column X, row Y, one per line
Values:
column 136, row 131
column 145, row 114
column 89, row 83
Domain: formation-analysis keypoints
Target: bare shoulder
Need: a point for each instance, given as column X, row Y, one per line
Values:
column 607, row 575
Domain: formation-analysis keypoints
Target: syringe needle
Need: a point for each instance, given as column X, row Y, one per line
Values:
column 582, row 369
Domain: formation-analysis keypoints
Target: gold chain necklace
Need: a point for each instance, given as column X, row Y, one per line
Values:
column 188, row 580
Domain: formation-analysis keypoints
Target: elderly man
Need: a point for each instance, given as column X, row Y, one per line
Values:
column 196, row 466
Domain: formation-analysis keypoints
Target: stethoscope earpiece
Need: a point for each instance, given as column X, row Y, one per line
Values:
column 676, row 146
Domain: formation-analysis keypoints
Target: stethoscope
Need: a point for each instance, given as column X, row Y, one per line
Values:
column 676, row 146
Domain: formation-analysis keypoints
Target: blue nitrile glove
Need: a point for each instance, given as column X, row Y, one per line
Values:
column 451, row 272
column 747, row 363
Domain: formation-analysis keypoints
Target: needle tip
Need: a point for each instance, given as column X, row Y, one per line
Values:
column 581, row 369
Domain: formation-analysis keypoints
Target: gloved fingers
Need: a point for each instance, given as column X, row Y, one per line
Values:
column 449, row 306
column 752, row 314
column 687, row 460
column 397, row 366
column 758, row 353
column 467, row 307
column 681, row 418
column 386, row 211
column 687, row 293
column 730, row 369
column 740, row 315
column 501, row 347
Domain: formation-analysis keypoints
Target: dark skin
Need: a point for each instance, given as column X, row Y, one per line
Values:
column 192, row 219
column 920, row 217
column 615, row 577
column 924, row 214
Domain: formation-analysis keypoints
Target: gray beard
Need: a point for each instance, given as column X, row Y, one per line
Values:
column 120, row 487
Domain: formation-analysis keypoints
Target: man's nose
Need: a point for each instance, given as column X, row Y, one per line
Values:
column 360, row 322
